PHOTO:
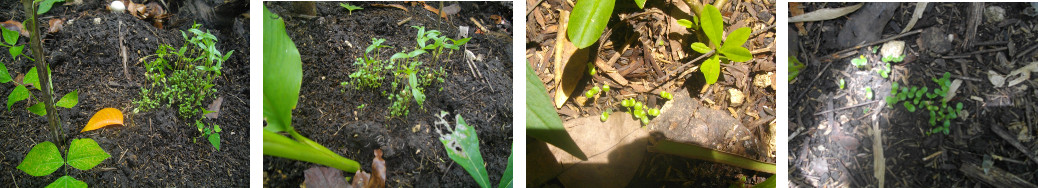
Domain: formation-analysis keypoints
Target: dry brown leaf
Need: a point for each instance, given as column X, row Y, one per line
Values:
column 214, row 108
column 431, row 9
column 796, row 10
column 15, row 26
column 570, row 63
column 401, row 7
column 55, row 25
column 322, row 176
column 378, row 170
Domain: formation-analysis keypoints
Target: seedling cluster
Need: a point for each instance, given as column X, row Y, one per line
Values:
column 731, row 49
column 185, row 77
column 409, row 79
column 941, row 113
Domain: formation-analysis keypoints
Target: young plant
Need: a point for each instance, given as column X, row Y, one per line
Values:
column 941, row 113
column 731, row 49
column 349, row 7
column 842, row 83
column 794, row 67
column 284, row 74
column 370, row 70
column 859, row 62
column 462, row 146
column 884, row 71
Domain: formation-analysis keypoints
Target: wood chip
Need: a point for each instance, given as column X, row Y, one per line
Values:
column 401, row 7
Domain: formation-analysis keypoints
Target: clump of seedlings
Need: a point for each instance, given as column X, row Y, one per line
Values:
column 184, row 77
column 408, row 78
column 941, row 113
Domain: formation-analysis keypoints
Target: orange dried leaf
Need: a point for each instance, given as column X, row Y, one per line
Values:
column 401, row 7
column 104, row 117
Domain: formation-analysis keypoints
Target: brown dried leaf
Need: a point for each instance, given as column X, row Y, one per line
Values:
column 322, row 176
column 401, row 7
column 378, row 170
column 215, row 108
column 15, row 26
column 55, row 25
column 431, row 9
column 569, row 63
column 796, row 10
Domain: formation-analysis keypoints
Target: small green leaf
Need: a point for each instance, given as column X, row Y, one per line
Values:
column 38, row 109
column 67, row 182
column 713, row 25
column 737, row 37
column 69, row 100
column 84, row 154
column 506, row 179
column 11, row 37
column 641, row 3
column 462, row 146
column 46, row 5
column 711, row 68
column 215, row 140
column 16, row 50
column 418, row 96
column 686, row 23
column 736, row 53
column 43, row 159
column 700, row 47
column 18, row 94
column 4, row 75
column 32, row 78
column 588, row 20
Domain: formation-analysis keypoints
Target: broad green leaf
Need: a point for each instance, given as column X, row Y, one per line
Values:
column 768, row 183
column 4, row 75
column 736, row 53
column 462, row 145
column 713, row 25
column 69, row 100
column 418, row 96
column 641, row 3
column 397, row 55
column 683, row 22
column 711, row 68
column 32, row 78
column 11, row 37
column 42, row 160
column 67, row 182
column 84, row 154
column 283, row 73
column 38, row 109
column 700, row 47
column 506, row 179
column 46, row 5
column 16, row 51
column 415, row 53
column 588, row 20
column 737, row 37
column 277, row 145
column 215, row 140
column 542, row 122
column 18, row 94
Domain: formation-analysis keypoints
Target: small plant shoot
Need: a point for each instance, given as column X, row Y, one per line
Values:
column 349, row 7
column 731, row 49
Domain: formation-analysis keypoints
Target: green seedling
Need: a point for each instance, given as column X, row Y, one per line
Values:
column 605, row 115
column 349, row 7
column 794, row 67
column 940, row 112
column 884, row 71
column 605, row 88
column 283, row 67
column 841, row 83
column 593, row 92
column 868, row 93
column 895, row 59
column 666, row 95
column 591, row 69
column 731, row 49
column 859, row 62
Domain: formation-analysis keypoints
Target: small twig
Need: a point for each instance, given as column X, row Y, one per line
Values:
column 975, row 53
column 876, row 42
column 670, row 78
column 535, row 5
column 122, row 51
column 848, row 107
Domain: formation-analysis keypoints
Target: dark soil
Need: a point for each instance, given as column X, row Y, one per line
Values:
column 835, row 149
column 327, row 112
column 652, row 51
column 152, row 149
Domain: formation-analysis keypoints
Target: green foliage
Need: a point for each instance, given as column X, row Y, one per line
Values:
column 639, row 110
column 933, row 102
column 895, row 59
column 641, row 3
column 605, row 115
column 868, row 93
column 212, row 133
column 349, row 7
column 184, row 77
column 842, row 83
column 794, row 67
column 283, row 74
column 45, row 5
column 506, row 179
column 859, row 62
column 462, row 146
column 731, row 49
column 884, row 71
column 542, row 121
column 666, row 95
column 588, row 21
column 11, row 41
column 44, row 158
column 408, row 77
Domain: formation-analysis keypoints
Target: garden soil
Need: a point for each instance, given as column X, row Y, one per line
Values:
column 831, row 129
column 327, row 112
column 154, row 148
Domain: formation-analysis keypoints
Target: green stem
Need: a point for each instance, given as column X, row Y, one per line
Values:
column 41, row 69
column 277, row 145
column 706, row 154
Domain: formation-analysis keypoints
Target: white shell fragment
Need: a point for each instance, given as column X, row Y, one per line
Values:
column 117, row 7
column 892, row 49
column 996, row 79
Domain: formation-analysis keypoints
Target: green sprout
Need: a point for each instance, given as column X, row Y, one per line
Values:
column 605, row 88
column 732, row 48
column 605, row 115
column 868, row 93
column 794, row 67
column 591, row 69
column 666, row 95
column 859, row 62
column 841, row 83
column 349, row 7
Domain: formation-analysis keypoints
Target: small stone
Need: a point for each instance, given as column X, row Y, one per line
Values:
column 996, row 79
column 892, row 49
column 763, row 80
column 736, row 96
column 97, row 21
column 994, row 14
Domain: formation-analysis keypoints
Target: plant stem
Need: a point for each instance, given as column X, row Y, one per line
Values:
column 706, row 154
column 41, row 69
